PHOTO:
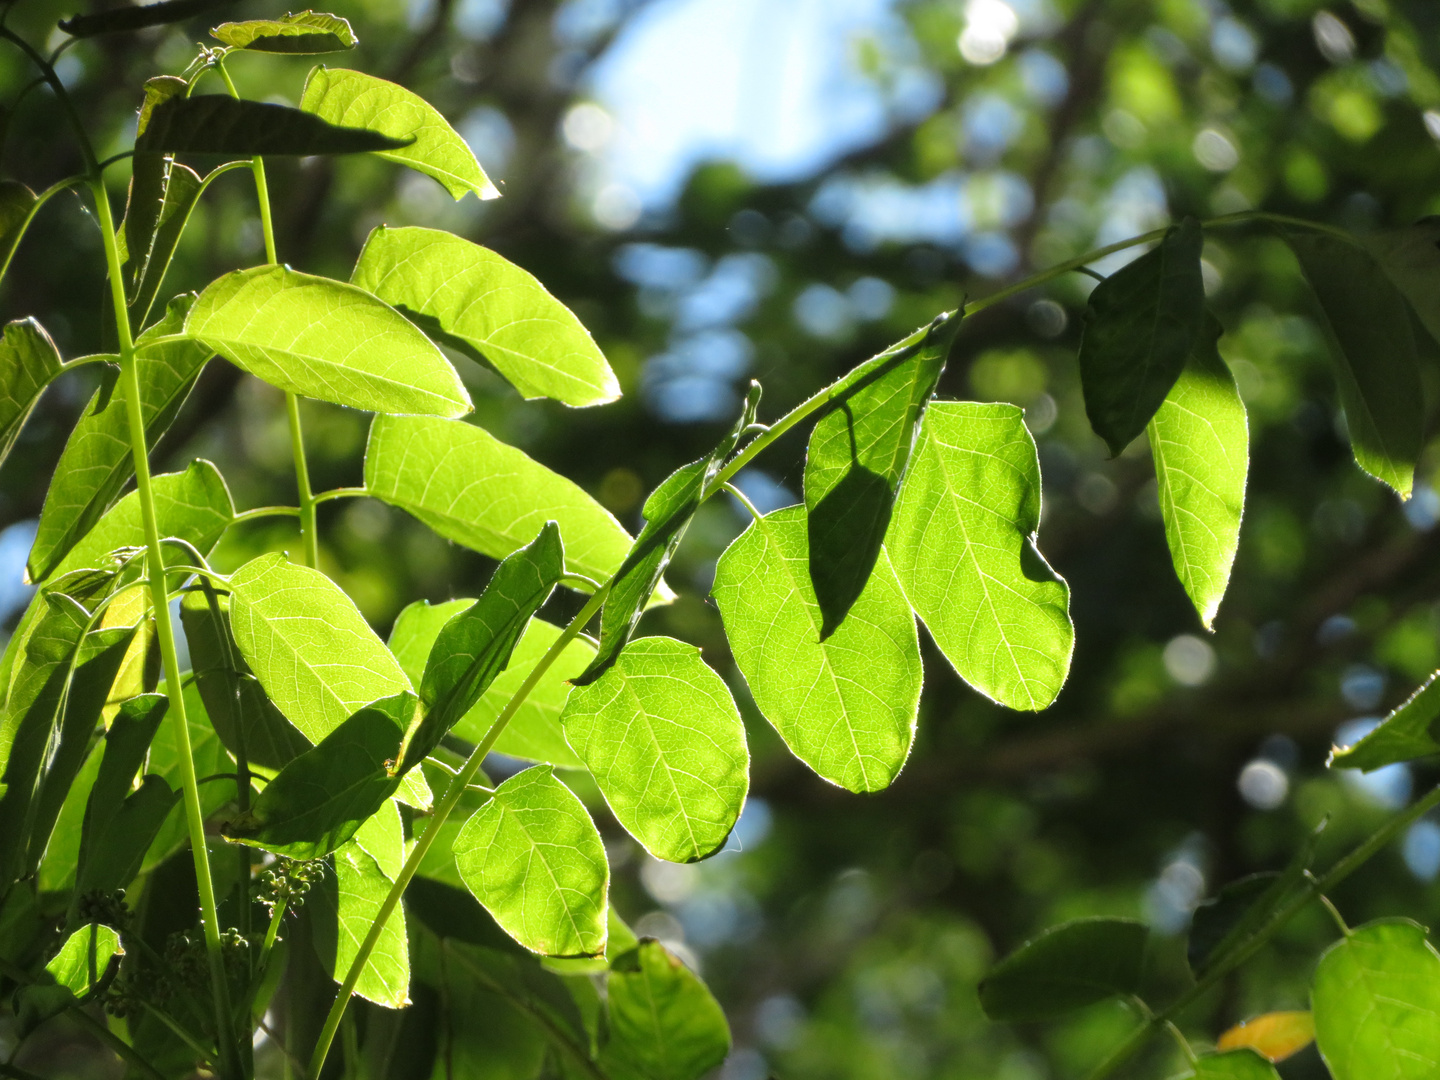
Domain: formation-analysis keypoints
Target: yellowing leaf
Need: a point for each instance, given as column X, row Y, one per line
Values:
column 1275, row 1035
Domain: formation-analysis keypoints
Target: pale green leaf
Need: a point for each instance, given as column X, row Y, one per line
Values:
column 475, row 490
column 846, row 706
column 664, row 1022
column 665, row 743
column 308, row 644
column 353, row 99
column 963, row 546
column 533, row 858
column 1201, row 447
column 361, row 887
column 471, row 299
column 325, row 339
column 28, row 362
column 70, row 976
column 303, row 33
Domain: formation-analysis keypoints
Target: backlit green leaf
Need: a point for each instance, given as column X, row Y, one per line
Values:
column 319, row 800
column 147, row 262
column 1201, row 447
column 846, row 706
column 71, row 975
column 1234, row 1065
column 219, row 124
column 1406, row 734
column 354, row 99
column 664, row 740
column 963, row 547
column 664, row 1022
column 471, row 299
column 475, row 490
column 303, row 33
column 308, row 644
column 1140, row 325
column 533, row 858
column 475, row 645
column 28, row 361
column 1372, row 349
column 1067, row 967
column 97, row 461
column 1376, row 999
column 362, row 886
column 326, row 340
column 857, row 454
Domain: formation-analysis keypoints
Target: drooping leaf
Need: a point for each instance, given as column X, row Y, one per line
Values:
column 28, row 363
column 17, row 202
column 319, row 800
column 533, row 733
column 857, row 453
column 1234, row 1065
column 1201, row 447
column 1274, row 1036
column 665, row 743
column 664, row 1022
column 150, row 173
column 963, row 546
column 475, row 645
column 533, row 858
column 97, row 461
column 327, row 340
column 469, row 298
column 122, row 20
column 1067, row 967
column 1376, row 1000
column 420, row 137
column 242, row 713
column 146, row 265
column 475, row 490
column 846, row 706
column 1406, row 734
column 1140, row 325
column 219, row 124
column 73, row 973
column 309, row 646
column 1372, row 350
column 1411, row 260
column 304, row 33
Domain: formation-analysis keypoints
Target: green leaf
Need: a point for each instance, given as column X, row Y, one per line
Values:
column 1372, row 349
column 17, row 202
column 354, row 900
column 208, row 758
column 219, row 124
column 319, row 800
column 466, row 485
column 469, row 298
column 327, row 340
column 533, row 858
column 146, row 263
column 475, row 646
column 1067, row 967
column 74, row 972
column 1411, row 260
column 305, row 33
column 309, row 646
column 857, row 454
column 59, row 866
column 20, row 924
column 1406, row 734
column 1376, row 999
column 533, row 732
column 664, row 1022
column 1234, row 1065
column 845, row 705
column 125, row 19
column 421, row 138
column 963, row 546
column 97, row 461
column 243, row 715
column 28, row 363
column 664, row 740
column 1140, row 325
column 1201, row 447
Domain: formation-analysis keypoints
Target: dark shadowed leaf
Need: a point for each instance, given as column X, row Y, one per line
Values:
column 122, row 20
column 1140, row 325
column 1067, row 967
column 1410, row 257
column 664, row 1022
column 857, row 454
column 16, row 203
column 1406, row 734
column 218, row 124
column 304, row 33
column 28, row 361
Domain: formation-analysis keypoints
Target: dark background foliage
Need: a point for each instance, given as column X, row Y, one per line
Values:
column 845, row 934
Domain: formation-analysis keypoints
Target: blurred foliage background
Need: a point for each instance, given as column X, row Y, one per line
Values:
column 776, row 189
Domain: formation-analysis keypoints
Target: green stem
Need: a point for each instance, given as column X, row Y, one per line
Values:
column 264, row 512
column 453, row 793
column 341, row 493
column 165, row 634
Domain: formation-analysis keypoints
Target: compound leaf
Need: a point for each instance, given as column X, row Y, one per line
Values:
column 1406, row 734
column 469, row 298
column 665, row 743
column 420, row 136
column 304, row 33
column 1140, row 324
column 533, row 858
column 219, row 124
column 28, row 362
column 963, row 546
column 1067, row 967
column 845, row 705
column 325, row 339
column 664, row 1022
